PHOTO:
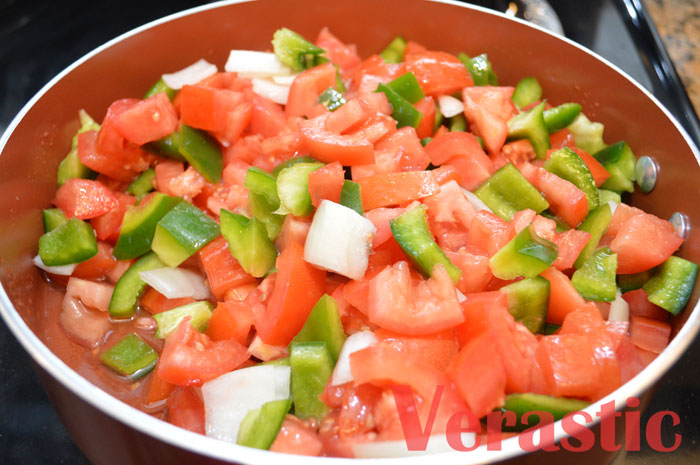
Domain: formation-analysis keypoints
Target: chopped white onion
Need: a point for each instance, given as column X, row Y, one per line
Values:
column 476, row 202
column 450, row 106
column 191, row 75
column 358, row 341
column 265, row 352
column 339, row 240
column 613, row 206
column 248, row 63
column 619, row 309
column 63, row 270
column 94, row 295
column 387, row 449
column 284, row 80
column 228, row 398
column 174, row 283
column 268, row 89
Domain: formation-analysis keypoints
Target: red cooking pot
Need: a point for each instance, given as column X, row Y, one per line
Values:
column 111, row 432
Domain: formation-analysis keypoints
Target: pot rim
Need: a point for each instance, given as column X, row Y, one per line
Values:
column 226, row 451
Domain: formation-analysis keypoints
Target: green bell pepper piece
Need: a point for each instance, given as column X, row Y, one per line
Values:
column 181, row 232
column 507, row 191
column 295, row 51
column 128, row 289
column 143, row 184
column 263, row 200
column 595, row 280
column 529, row 402
column 161, row 86
column 393, row 53
column 550, row 329
column 527, row 91
column 588, row 135
column 202, row 152
column 351, row 196
column 168, row 146
column 480, row 68
column 632, row 282
column 168, row 321
column 528, row 301
column 139, row 225
column 324, row 325
column 53, row 218
column 72, row 242
column 260, row 426
column 293, row 189
column 619, row 160
column 526, row 254
column 557, row 118
column 71, row 166
column 530, row 125
column 131, row 357
column 402, row 111
column 458, row 123
column 407, row 87
column 606, row 196
column 331, row 99
column 595, row 224
column 411, row 231
column 672, row 285
column 291, row 162
column 312, row 366
column 566, row 164
column 249, row 243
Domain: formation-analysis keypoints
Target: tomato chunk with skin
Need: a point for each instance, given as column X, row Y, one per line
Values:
column 658, row 236
column 190, row 358
column 307, row 87
column 107, row 226
column 385, row 190
column 230, row 320
column 298, row 286
column 267, row 118
column 155, row 302
column 489, row 232
column 345, row 56
column 328, row 146
column 649, row 334
column 437, row 350
column 476, row 273
column 326, row 183
column 479, row 375
column 398, row 304
column 85, row 199
column 438, row 73
column 223, row 271
column 568, row 363
column 148, row 120
column 563, row 296
column 492, row 128
column 186, row 409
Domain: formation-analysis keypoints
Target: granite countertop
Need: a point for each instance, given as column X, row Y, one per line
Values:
column 678, row 24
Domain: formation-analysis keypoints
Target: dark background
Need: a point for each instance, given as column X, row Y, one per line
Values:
column 39, row 39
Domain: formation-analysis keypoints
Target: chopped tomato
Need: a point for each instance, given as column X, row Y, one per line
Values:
column 570, row 243
column 476, row 273
column 568, row 365
column 496, row 100
column 406, row 142
column 186, row 409
column 398, row 304
column 223, row 271
column 147, row 120
column 298, row 287
column 639, row 305
column 449, row 211
column 158, row 390
column 563, row 296
column 345, row 56
column 600, row 174
column 371, row 72
column 489, row 232
column 155, row 302
column 492, row 128
column 297, row 437
column 649, row 334
column 437, row 350
column 107, row 226
column 479, row 375
column 384, row 190
column 446, row 173
column 380, row 218
column 166, row 172
column 328, row 146
column 414, row 47
column 99, row 265
column 326, row 183
column 307, row 87
column 85, row 199
column 622, row 213
column 230, row 320
column 438, row 73
column 517, row 152
column 192, row 358
column 427, row 124
column 294, row 229
column 658, row 236
column 267, row 118
column 452, row 144
column 560, row 139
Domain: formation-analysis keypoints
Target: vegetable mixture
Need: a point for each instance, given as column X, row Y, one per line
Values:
column 259, row 254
